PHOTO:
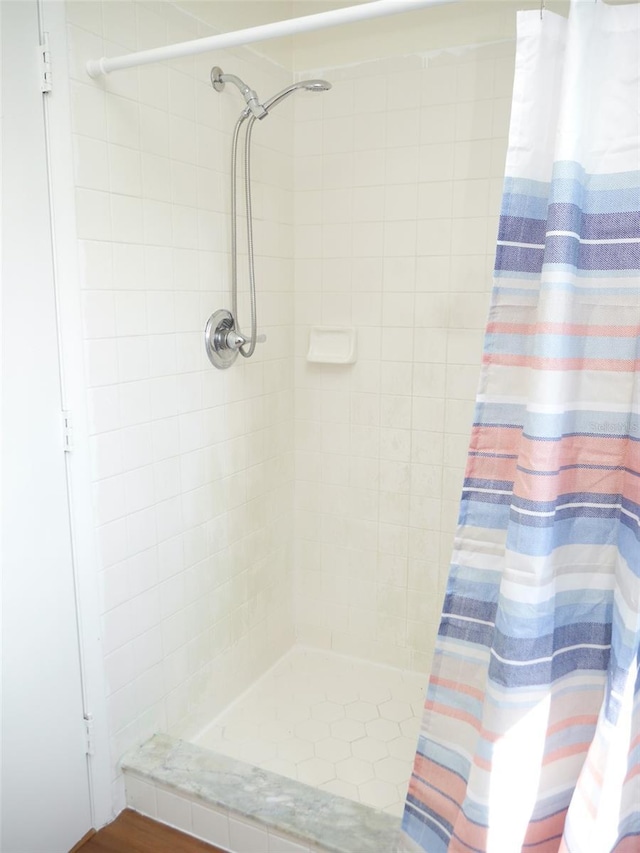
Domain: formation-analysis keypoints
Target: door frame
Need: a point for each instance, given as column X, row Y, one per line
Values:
column 66, row 271
column 49, row 209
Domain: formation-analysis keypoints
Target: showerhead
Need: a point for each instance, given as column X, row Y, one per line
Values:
column 315, row 85
column 309, row 85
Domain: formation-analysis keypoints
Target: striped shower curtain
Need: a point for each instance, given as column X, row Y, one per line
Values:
column 531, row 731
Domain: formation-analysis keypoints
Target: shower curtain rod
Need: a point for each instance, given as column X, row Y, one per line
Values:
column 336, row 17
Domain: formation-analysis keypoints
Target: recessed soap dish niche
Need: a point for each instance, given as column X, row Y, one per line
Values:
column 332, row 345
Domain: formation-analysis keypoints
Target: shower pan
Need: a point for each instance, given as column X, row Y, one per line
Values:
column 223, row 336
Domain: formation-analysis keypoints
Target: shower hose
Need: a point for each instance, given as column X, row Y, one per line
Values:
column 246, row 352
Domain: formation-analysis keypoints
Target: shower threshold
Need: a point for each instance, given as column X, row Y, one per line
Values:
column 243, row 809
column 316, row 755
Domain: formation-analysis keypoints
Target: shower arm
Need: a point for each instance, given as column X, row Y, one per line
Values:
column 218, row 79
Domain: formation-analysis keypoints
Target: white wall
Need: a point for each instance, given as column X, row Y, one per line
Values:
column 398, row 182
column 192, row 467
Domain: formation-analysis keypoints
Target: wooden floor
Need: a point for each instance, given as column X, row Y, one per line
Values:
column 133, row 833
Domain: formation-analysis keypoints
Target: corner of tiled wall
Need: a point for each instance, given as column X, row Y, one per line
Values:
column 398, row 173
column 192, row 467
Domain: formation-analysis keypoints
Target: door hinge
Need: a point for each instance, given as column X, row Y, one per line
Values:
column 45, row 64
column 89, row 734
column 67, row 432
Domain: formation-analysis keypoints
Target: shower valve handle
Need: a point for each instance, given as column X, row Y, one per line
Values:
column 223, row 341
column 234, row 340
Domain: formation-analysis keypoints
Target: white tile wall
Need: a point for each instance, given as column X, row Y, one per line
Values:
column 398, row 174
column 192, row 467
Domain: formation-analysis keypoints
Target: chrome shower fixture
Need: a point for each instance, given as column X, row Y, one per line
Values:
column 219, row 78
column 307, row 85
column 223, row 337
column 222, row 340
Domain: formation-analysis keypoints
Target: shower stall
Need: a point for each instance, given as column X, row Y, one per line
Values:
column 274, row 538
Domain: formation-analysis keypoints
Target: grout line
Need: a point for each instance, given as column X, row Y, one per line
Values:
column 426, row 56
column 245, row 693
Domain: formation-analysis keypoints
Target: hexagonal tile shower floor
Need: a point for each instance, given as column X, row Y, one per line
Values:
column 341, row 724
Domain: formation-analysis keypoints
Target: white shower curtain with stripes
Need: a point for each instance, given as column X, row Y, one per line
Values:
column 531, row 732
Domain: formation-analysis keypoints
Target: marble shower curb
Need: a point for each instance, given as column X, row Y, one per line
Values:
column 313, row 817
